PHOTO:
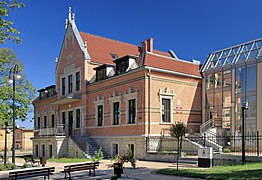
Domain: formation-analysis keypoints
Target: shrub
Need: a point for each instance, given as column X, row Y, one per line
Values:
column 226, row 150
column 13, row 166
column 98, row 156
column 2, row 167
column 25, row 165
column 10, row 166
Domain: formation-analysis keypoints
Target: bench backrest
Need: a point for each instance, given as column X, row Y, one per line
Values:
column 82, row 166
column 32, row 172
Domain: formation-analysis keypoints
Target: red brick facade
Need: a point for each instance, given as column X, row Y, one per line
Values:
column 151, row 78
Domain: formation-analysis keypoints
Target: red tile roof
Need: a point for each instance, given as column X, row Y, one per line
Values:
column 171, row 64
column 99, row 48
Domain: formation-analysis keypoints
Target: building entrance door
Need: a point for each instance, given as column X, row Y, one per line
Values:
column 70, row 123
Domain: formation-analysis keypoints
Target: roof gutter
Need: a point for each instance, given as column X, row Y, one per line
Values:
column 172, row 72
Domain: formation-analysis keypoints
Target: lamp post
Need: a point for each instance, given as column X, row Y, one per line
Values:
column 243, row 108
column 6, row 131
column 12, row 78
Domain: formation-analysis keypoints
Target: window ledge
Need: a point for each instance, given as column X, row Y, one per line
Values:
column 165, row 123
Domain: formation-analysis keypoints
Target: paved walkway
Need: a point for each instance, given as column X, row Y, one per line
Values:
column 145, row 170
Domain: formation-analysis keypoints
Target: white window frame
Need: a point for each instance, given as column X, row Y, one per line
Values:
column 97, row 102
column 166, row 94
column 128, row 97
column 113, row 100
column 113, row 149
column 80, row 123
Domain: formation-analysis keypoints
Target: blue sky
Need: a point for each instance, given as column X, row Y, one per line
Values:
column 192, row 29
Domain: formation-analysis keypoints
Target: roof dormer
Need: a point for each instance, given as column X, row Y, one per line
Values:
column 103, row 71
column 123, row 63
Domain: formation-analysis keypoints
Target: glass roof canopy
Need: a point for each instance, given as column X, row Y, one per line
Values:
column 244, row 52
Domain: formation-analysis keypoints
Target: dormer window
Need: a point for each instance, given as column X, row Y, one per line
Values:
column 123, row 63
column 47, row 92
column 102, row 72
column 114, row 56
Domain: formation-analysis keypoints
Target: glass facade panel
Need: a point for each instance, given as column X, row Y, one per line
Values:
column 218, row 99
column 210, row 81
column 251, row 78
column 251, row 114
column 227, row 78
column 210, row 99
column 240, row 79
column 227, row 99
column 218, row 79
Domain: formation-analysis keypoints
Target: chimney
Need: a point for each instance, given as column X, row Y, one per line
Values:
column 147, row 45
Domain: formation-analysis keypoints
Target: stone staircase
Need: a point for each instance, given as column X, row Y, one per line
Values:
column 88, row 145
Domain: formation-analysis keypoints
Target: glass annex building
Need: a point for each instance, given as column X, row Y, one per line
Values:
column 233, row 76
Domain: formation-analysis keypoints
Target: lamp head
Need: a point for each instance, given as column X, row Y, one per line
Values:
column 18, row 76
column 244, row 105
column 10, row 81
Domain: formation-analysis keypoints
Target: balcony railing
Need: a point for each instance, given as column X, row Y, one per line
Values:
column 55, row 131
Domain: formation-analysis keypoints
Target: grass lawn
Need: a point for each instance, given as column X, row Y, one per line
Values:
column 68, row 160
column 247, row 171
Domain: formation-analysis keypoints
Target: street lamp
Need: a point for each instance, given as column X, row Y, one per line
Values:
column 6, row 131
column 243, row 108
column 13, row 75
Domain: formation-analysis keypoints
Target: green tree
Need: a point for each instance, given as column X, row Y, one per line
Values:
column 178, row 130
column 25, row 92
column 7, row 31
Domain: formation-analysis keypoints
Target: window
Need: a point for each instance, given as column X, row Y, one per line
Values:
column 36, row 150
column 240, row 79
column 63, row 119
column 50, row 151
column 114, row 150
column 43, row 150
column 131, row 149
column 100, row 74
column 78, row 118
column 166, row 110
column 77, row 81
column 52, row 120
column 63, row 86
column 38, row 123
column 100, row 115
column 70, row 84
column 251, row 79
column 116, row 113
column 45, row 122
column 121, row 66
column 131, row 111
column 114, row 56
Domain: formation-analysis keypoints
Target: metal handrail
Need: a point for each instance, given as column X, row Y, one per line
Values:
column 206, row 125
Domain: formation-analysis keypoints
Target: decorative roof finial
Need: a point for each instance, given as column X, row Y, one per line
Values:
column 73, row 16
column 56, row 60
column 85, row 44
column 66, row 23
column 69, row 14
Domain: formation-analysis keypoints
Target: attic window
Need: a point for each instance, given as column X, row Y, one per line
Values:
column 100, row 74
column 114, row 56
column 121, row 66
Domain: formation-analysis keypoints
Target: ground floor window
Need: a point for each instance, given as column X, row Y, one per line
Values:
column 131, row 149
column 114, row 150
column 36, row 150
column 43, row 150
column 50, row 151
column 100, row 115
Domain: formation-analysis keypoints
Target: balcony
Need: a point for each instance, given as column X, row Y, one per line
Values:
column 55, row 131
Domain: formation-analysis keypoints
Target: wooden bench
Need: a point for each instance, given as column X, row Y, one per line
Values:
column 32, row 161
column 32, row 172
column 80, row 167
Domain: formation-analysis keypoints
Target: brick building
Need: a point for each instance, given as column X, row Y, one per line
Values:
column 113, row 94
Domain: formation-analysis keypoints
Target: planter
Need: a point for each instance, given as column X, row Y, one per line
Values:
column 118, row 169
